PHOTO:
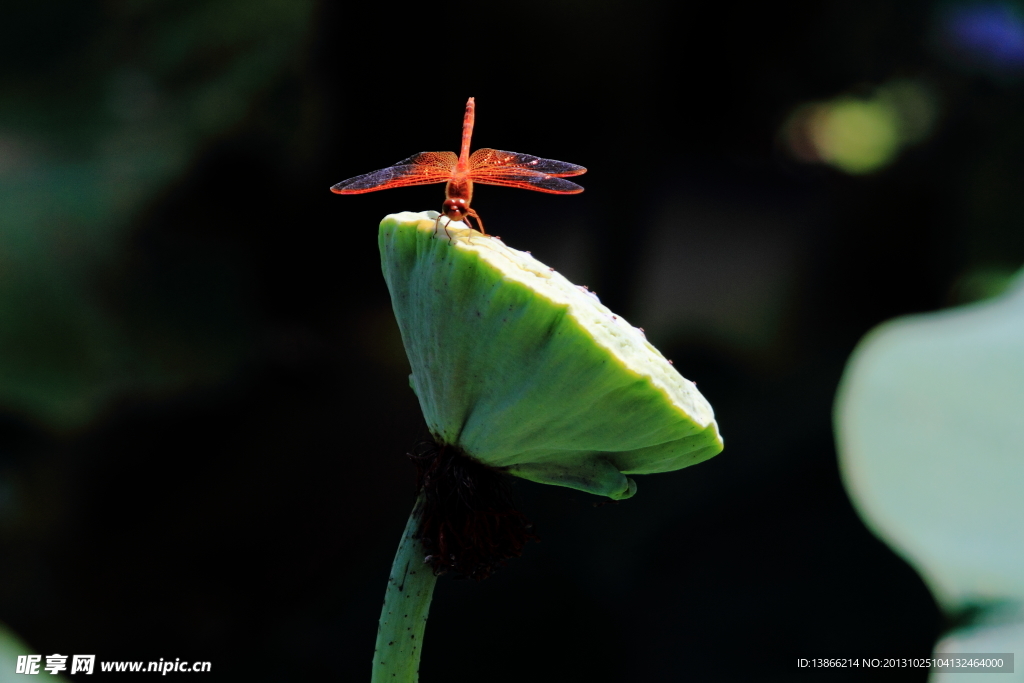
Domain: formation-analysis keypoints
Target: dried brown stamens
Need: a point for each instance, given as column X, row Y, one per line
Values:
column 469, row 524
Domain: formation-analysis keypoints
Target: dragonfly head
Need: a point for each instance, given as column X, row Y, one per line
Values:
column 455, row 208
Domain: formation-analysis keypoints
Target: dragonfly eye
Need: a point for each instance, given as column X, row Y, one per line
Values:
column 455, row 209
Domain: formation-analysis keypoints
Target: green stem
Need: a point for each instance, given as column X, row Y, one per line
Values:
column 396, row 658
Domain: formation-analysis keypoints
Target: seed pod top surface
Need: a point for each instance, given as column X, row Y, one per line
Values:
column 524, row 371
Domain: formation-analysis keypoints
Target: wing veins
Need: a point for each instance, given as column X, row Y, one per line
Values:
column 496, row 161
column 425, row 168
column 539, row 183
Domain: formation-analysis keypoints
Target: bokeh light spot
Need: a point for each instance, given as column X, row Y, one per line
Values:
column 986, row 35
column 854, row 135
column 862, row 135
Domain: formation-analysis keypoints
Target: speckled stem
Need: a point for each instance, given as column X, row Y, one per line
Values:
column 396, row 659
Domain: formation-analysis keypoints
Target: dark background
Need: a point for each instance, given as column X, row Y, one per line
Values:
column 204, row 406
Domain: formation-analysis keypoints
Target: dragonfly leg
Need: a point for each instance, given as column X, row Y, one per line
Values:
column 474, row 214
column 437, row 223
column 447, row 234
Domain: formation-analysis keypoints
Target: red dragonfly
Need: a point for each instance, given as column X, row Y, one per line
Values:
column 485, row 166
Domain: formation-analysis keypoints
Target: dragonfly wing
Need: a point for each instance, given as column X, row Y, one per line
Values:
column 511, row 169
column 424, row 168
column 528, row 181
column 494, row 160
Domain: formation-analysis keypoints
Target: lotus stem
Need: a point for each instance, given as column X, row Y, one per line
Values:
column 396, row 658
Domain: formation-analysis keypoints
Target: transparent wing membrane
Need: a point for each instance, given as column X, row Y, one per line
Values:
column 424, row 168
column 495, row 162
column 538, row 182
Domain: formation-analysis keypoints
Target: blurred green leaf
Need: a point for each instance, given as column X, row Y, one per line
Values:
column 84, row 146
column 928, row 422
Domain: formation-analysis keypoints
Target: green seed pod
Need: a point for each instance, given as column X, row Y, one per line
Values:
column 525, row 372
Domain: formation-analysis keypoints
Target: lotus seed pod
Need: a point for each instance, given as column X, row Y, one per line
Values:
column 525, row 372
